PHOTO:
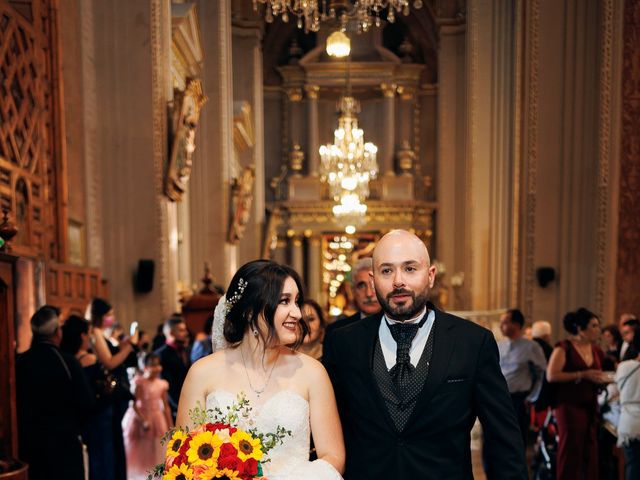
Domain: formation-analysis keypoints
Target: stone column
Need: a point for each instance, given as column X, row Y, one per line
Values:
column 248, row 87
column 388, row 135
column 128, row 147
column 451, row 248
column 210, row 177
column 491, row 154
column 407, row 100
column 297, row 258
column 314, row 135
column 406, row 151
column 314, row 263
column 294, row 94
column 280, row 252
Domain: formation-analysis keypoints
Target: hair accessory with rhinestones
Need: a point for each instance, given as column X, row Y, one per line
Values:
column 237, row 295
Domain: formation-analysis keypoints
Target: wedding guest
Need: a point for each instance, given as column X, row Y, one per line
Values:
column 576, row 367
column 411, row 380
column 627, row 331
column 202, row 347
column 612, row 341
column 541, row 334
column 97, row 433
column 159, row 338
column 624, row 318
column 147, row 420
column 174, row 358
column 53, row 400
column 115, row 358
column 523, row 364
column 312, row 314
column 364, row 295
column 628, row 381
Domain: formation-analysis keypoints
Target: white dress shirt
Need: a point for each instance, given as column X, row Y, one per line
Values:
column 389, row 346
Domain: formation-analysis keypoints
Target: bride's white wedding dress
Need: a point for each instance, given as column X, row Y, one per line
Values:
column 289, row 410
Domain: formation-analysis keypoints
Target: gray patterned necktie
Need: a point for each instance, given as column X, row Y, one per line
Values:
column 401, row 372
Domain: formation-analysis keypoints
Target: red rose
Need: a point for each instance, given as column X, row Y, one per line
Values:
column 231, row 462
column 251, row 466
column 184, row 447
column 228, row 450
column 213, row 427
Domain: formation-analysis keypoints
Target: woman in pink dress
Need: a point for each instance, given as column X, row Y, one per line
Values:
column 146, row 420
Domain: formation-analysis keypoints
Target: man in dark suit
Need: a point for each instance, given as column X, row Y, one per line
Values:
column 53, row 399
column 364, row 295
column 411, row 380
column 174, row 357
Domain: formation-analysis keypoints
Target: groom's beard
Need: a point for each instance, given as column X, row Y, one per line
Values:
column 409, row 310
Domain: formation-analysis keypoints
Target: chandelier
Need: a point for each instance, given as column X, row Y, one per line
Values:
column 348, row 164
column 310, row 13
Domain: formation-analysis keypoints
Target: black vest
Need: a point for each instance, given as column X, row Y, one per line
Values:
column 400, row 412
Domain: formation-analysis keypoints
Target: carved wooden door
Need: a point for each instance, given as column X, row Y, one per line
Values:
column 31, row 161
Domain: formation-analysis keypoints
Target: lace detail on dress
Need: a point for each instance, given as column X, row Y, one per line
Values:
column 291, row 411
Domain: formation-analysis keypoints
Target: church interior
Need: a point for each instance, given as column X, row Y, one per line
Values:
column 148, row 149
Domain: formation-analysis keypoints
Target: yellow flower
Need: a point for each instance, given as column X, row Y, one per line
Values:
column 173, row 447
column 178, row 473
column 214, row 474
column 247, row 446
column 227, row 474
column 204, row 449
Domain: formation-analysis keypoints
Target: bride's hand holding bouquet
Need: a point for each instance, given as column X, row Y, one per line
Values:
column 216, row 449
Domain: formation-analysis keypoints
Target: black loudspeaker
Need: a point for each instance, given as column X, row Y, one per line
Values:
column 143, row 278
column 545, row 275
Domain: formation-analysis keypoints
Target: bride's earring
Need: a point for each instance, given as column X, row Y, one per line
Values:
column 255, row 332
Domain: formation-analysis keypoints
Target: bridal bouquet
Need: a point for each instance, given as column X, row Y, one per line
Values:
column 217, row 449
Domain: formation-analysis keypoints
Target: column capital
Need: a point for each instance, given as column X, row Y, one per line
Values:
column 312, row 91
column 294, row 94
column 406, row 92
column 388, row 89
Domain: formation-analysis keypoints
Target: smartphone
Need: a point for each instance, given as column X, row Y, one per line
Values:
column 133, row 329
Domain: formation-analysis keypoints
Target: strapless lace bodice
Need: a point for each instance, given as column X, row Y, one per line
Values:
column 289, row 410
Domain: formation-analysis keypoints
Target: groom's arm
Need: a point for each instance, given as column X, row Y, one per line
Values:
column 503, row 449
column 331, row 362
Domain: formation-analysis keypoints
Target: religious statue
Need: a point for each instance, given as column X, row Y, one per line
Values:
column 241, row 201
column 185, row 121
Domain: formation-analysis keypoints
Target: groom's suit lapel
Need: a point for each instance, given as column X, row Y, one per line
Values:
column 371, row 325
column 444, row 341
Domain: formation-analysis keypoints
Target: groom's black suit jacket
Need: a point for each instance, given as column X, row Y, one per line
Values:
column 464, row 381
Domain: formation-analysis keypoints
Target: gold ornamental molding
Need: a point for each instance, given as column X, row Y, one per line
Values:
column 159, row 78
column 294, row 94
column 604, row 159
column 381, row 216
column 531, row 158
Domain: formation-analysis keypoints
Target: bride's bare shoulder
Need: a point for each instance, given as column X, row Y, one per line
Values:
column 310, row 366
column 205, row 365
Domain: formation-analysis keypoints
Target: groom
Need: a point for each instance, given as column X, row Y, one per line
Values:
column 411, row 380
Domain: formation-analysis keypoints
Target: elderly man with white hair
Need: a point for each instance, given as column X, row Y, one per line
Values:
column 541, row 334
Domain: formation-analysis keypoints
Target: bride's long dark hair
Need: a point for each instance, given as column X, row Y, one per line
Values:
column 264, row 283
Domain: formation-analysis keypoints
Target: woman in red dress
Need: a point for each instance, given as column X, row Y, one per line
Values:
column 576, row 366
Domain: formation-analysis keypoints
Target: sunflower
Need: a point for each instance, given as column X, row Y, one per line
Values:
column 181, row 472
column 173, row 447
column 226, row 474
column 222, row 474
column 247, row 446
column 204, row 449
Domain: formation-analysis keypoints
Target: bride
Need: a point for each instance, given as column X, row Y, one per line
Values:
column 261, row 326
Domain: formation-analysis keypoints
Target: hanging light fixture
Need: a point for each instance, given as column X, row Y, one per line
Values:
column 338, row 44
column 309, row 13
column 348, row 165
